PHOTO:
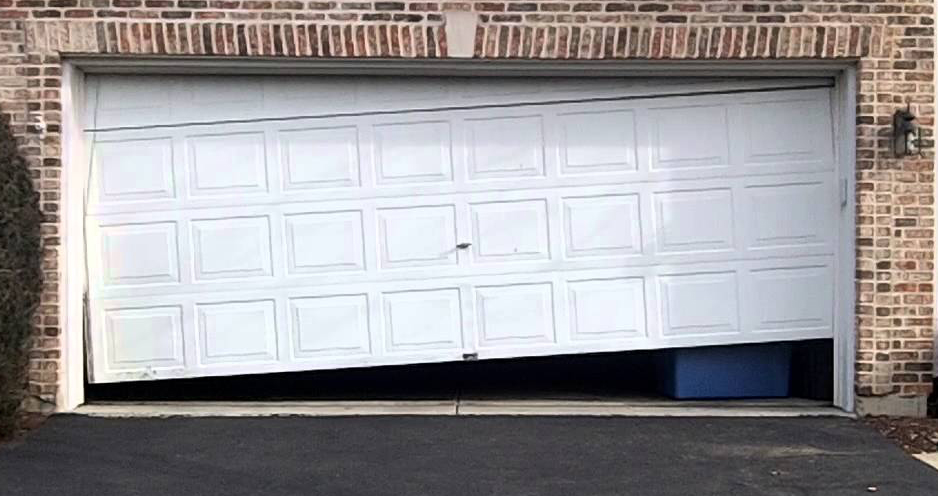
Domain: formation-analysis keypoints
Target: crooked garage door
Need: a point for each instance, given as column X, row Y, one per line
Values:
column 252, row 225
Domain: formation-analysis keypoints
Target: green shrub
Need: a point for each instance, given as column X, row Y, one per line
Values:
column 20, row 275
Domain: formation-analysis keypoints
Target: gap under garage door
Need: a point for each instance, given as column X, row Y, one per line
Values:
column 251, row 225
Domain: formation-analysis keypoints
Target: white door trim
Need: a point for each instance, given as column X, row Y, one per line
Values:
column 72, row 253
column 845, row 110
column 75, row 162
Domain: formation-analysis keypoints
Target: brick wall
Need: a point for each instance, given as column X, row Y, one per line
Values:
column 893, row 40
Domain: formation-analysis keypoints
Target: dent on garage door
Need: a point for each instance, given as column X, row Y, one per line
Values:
column 431, row 219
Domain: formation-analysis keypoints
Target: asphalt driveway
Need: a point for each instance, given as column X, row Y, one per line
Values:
column 454, row 456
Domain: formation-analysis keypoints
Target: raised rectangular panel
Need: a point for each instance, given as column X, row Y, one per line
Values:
column 689, row 221
column 785, row 132
column 515, row 314
column 598, row 141
column 422, row 320
column 417, row 236
column 607, row 225
column 330, row 325
column 144, row 337
column 690, row 137
column 791, row 299
column 789, row 215
column 134, row 170
column 413, row 152
column 320, row 158
column 699, row 303
column 237, row 332
column 227, row 164
column 231, row 247
column 324, row 241
column 139, row 253
column 607, row 308
column 509, row 231
column 501, row 147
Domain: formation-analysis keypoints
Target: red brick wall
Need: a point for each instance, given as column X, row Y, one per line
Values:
column 893, row 41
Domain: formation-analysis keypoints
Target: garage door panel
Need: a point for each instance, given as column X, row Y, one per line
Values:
column 320, row 157
column 117, row 102
column 607, row 309
column 419, row 320
column 602, row 226
column 554, row 230
column 330, row 326
column 505, row 146
column 324, row 242
column 699, row 303
column 694, row 220
column 229, row 164
column 521, row 314
column 417, row 236
column 136, row 254
column 138, row 338
column 514, row 314
column 279, row 94
column 231, row 96
column 787, row 214
column 690, row 137
column 509, row 231
column 597, row 141
column 787, row 134
column 413, row 152
column 231, row 247
column 790, row 299
column 135, row 171
column 126, row 100
column 241, row 331
column 393, row 156
column 149, row 176
column 331, row 242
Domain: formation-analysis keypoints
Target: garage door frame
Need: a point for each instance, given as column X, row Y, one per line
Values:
column 75, row 157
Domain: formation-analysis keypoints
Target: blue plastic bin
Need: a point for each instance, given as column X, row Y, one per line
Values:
column 740, row 371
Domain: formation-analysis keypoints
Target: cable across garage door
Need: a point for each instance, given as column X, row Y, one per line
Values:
column 439, row 220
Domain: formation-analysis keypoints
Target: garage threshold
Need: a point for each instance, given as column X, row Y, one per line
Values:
column 641, row 407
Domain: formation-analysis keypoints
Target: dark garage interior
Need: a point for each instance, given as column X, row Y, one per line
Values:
column 600, row 376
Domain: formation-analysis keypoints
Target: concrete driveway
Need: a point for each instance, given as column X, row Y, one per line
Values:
column 454, row 456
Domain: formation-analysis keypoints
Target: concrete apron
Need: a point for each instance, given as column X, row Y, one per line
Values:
column 539, row 407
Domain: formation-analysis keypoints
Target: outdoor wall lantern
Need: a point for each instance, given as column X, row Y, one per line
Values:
column 906, row 133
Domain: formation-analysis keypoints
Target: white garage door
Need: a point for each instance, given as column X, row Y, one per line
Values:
column 248, row 225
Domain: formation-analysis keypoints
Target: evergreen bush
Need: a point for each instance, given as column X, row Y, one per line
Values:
column 20, row 275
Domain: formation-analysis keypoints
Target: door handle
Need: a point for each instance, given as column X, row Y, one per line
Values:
column 463, row 246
